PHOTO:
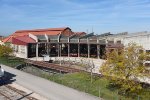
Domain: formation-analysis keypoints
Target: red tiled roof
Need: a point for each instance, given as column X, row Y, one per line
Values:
column 39, row 30
column 49, row 31
column 26, row 39
column 38, row 33
column 7, row 39
column 22, row 40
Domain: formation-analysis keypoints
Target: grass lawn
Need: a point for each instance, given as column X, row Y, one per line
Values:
column 99, row 86
column 82, row 82
column 11, row 61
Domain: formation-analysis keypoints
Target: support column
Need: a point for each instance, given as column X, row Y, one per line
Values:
column 68, row 50
column 98, row 51
column 88, row 50
column 49, row 48
column 60, row 46
column 78, row 50
column 58, row 49
column 27, row 50
column 37, row 51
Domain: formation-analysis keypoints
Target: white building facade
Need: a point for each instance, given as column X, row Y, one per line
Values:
column 140, row 38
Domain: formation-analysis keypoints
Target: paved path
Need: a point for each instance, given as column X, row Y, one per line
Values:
column 51, row 90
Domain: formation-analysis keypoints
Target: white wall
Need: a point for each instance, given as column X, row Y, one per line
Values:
column 20, row 50
column 142, row 40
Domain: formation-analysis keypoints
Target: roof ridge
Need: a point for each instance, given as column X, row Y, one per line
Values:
column 23, row 37
column 40, row 30
column 18, row 39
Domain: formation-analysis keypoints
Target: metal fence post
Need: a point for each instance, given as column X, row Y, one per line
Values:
column 99, row 92
column 117, row 95
column 84, row 88
column 138, row 97
column 32, row 69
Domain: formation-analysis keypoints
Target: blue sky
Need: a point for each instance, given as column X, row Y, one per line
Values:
column 80, row 15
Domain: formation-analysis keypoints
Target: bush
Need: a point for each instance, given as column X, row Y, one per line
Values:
column 5, row 51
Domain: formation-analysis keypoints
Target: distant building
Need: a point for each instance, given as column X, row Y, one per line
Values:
column 141, row 38
column 1, row 38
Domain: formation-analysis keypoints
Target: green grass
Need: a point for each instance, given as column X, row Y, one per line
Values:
column 82, row 82
column 11, row 61
column 99, row 86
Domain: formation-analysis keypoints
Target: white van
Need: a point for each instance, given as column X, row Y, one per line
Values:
column 1, row 72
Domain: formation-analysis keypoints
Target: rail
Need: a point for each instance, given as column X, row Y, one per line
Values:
column 11, row 93
column 53, row 66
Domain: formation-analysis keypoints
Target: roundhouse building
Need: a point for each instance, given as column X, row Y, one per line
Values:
column 58, row 42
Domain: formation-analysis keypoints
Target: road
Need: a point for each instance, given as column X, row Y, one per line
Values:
column 48, row 89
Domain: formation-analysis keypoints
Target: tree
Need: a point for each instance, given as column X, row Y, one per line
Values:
column 125, row 68
column 5, row 50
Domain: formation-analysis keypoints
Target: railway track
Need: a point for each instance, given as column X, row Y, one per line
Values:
column 53, row 66
column 58, row 67
column 8, row 92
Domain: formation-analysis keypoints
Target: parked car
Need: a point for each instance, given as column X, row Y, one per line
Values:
column 1, row 72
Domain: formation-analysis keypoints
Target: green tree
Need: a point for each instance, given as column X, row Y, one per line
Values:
column 125, row 67
column 5, row 50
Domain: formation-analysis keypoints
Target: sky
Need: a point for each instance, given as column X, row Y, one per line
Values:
column 101, row 16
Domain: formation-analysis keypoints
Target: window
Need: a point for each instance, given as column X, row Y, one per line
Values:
column 148, row 51
column 16, row 48
column 110, row 41
column 119, row 41
column 147, row 64
column 22, row 49
column 33, row 48
column 140, row 51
